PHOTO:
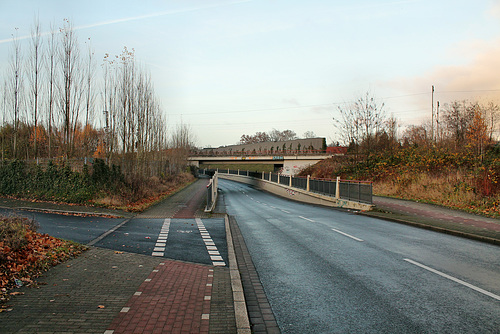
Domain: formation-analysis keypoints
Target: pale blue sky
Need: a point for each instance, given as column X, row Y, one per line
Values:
column 229, row 68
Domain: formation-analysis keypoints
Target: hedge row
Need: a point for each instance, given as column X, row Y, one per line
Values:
column 58, row 182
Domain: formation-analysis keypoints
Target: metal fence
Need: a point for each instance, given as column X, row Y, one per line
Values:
column 358, row 191
column 322, row 186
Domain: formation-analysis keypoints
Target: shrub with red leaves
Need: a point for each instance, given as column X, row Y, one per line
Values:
column 25, row 254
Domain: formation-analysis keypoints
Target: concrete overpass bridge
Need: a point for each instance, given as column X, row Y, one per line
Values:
column 289, row 164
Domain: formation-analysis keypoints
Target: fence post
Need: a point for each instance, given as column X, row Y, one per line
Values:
column 290, row 181
column 238, row 172
column 337, row 188
column 307, row 186
column 359, row 191
column 262, row 175
column 270, row 175
column 278, row 178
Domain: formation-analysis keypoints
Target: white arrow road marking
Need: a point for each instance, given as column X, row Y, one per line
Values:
column 348, row 235
column 454, row 279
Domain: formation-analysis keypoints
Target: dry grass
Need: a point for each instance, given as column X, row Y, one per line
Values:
column 453, row 190
column 145, row 192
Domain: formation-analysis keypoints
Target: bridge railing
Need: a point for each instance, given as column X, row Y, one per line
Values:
column 257, row 153
column 358, row 191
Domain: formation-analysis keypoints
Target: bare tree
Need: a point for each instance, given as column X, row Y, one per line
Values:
column 309, row 134
column 4, row 113
column 182, row 142
column 492, row 115
column 71, row 87
column 90, row 96
column 34, row 69
column 457, row 118
column 258, row 137
column 51, row 82
column 277, row 135
column 361, row 121
column 15, row 87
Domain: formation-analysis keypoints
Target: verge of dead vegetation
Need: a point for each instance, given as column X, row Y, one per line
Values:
column 458, row 180
column 96, row 185
column 146, row 193
column 25, row 254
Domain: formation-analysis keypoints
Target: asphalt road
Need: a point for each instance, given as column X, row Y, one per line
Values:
column 328, row 271
column 187, row 239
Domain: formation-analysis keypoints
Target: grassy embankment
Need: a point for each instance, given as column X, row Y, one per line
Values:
column 98, row 185
column 459, row 180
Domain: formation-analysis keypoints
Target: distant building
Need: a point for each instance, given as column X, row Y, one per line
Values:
column 288, row 147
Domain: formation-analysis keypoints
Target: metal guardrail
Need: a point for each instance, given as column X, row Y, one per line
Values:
column 212, row 191
column 358, row 191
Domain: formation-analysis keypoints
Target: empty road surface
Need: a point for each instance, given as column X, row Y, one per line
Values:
column 327, row 271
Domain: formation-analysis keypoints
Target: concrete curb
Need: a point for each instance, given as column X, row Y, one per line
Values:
column 57, row 211
column 240, row 308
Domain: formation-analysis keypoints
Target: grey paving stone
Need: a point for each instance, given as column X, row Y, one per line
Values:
column 75, row 290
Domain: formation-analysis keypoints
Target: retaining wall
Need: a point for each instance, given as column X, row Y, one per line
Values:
column 297, row 194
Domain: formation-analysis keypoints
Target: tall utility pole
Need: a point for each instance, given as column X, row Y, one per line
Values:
column 432, row 117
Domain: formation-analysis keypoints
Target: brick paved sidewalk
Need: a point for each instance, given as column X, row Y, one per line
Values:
column 174, row 298
column 103, row 291
column 438, row 218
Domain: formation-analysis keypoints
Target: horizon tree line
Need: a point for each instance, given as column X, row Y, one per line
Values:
column 365, row 128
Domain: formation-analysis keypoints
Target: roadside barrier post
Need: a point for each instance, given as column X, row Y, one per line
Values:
column 337, row 188
column 307, row 186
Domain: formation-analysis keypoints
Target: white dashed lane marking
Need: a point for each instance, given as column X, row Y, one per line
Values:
column 161, row 242
column 348, row 235
column 214, row 254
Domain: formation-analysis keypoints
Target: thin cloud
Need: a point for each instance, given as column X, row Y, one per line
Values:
column 137, row 18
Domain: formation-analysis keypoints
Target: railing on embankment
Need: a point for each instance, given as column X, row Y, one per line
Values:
column 339, row 193
column 212, row 192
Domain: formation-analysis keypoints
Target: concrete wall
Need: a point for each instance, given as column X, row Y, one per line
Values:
column 293, row 167
column 297, row 194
